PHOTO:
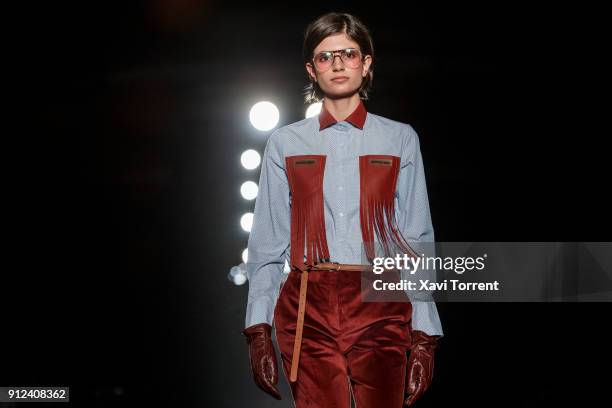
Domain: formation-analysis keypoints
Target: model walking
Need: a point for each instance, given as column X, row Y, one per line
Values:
column 331, row 187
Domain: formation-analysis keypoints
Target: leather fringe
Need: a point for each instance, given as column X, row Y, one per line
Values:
column 305, row 175
column 378, row 179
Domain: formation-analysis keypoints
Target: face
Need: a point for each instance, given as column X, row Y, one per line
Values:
column 339, row 81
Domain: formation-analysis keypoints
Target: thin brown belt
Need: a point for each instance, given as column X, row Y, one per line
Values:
column 326, row 266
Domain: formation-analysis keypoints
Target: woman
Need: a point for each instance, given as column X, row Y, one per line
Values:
column 331, row 187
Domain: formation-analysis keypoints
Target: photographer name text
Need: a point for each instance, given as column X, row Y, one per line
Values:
column 427, row 285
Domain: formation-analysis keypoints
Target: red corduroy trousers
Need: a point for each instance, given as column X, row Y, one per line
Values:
column 348, row 346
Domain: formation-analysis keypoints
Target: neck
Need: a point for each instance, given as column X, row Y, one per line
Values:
column 341, row 108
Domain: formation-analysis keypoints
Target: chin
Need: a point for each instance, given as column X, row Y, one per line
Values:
column 337, row 93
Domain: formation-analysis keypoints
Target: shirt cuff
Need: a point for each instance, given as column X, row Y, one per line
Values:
column 259, row 311
column 426, row 319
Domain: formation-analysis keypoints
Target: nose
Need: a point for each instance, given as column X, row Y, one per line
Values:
column 340, row 65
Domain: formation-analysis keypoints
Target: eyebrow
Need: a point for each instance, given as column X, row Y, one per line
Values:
column 339, row 49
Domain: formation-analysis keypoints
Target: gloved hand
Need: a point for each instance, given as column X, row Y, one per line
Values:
column 263, row 357
column 419, row 371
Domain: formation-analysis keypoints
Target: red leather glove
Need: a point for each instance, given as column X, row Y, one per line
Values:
column 263, row 357
column 419, row 371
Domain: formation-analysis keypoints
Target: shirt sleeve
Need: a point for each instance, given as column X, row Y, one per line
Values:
column 269, row 238
column 414, row 222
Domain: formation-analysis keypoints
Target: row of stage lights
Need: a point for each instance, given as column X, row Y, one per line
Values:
column 264, row 116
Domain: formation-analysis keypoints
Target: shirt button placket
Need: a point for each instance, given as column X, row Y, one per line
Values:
column 345, row 155
column 343, row 133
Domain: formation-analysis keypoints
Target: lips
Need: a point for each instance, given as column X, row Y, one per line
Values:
column 340, row 79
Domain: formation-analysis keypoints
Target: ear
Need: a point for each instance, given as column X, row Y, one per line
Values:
column 367, row 61
column 311, row 72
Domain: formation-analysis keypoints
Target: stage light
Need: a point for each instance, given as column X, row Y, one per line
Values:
column 234, row 270
column 245, row 255
column 314, row 109
column 264, row 115
column 246, row 221
column 248, row 189
column 240, row 279
column 237, row 274
column 250, row 159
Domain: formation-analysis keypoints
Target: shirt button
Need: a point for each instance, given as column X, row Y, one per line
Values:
column 340, row 188
column 342, row 214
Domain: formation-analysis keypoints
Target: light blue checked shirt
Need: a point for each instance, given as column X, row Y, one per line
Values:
column 342, row 143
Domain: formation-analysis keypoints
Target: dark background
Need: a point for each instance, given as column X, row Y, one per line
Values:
column 124, row 181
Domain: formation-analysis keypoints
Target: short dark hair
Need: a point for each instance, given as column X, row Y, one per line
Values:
column 330, row 24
